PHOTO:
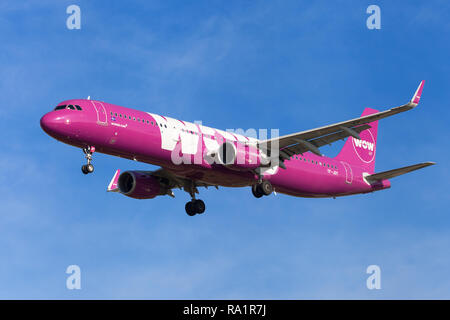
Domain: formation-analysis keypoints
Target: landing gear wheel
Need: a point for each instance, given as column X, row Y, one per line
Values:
column 90, row 168
column 199, row 206
column 190, row 208
column 266, row 187
column 256, row 191
column 84, row 169
column 194, row 207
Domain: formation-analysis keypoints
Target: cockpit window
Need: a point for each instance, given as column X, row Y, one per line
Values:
column 70, row 106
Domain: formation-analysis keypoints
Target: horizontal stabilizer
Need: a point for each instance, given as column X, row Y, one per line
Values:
column 396, row 172
column 112, row 187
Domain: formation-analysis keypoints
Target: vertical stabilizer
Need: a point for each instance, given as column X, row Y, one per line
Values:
column 361, row 152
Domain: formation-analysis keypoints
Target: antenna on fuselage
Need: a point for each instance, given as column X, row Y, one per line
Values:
column 89, row 97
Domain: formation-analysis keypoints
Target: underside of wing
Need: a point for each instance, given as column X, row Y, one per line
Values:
column 170, row 181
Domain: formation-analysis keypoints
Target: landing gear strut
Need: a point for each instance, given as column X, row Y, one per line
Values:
column 88, row 168
column 263, row 188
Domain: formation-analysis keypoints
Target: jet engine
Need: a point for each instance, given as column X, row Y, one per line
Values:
column 139, row 185
column 237, row 156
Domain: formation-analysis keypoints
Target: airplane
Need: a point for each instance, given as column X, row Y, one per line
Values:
column 192, row 156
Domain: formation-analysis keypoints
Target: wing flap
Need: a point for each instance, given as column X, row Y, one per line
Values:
column 324, row 140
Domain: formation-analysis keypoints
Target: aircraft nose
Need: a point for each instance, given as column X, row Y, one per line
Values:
column 53, row 123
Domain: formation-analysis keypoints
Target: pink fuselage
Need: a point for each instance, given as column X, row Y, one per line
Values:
column 104, row 126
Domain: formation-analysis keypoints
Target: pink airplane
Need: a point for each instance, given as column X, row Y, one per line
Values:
column 192, row 155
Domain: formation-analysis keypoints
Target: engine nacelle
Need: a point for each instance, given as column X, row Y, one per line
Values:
column 239, row 156
column 139, row 185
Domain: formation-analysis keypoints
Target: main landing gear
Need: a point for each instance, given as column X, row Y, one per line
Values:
column 263, row 188
column 195, row 206
column 88, row 168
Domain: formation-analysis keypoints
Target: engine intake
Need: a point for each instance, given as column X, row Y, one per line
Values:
column 238, row 156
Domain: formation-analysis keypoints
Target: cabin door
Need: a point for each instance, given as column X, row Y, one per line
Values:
column 101, row 113
column 348, row 172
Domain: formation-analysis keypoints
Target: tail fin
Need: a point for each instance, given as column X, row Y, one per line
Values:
column 361, row 152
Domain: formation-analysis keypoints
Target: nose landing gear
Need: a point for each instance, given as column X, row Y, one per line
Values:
column 88, row 168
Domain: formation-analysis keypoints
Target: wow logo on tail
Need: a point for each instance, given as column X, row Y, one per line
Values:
column 365, row 147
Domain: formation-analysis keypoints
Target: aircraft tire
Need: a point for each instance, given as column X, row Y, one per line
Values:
column 256, row 191
column 199, row 206
column 84, row 169
column 266, row 187
column 90, row 168
column 190, row 208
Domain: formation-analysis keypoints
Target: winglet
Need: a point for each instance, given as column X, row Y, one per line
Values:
column 112, row 187
column 416, row 98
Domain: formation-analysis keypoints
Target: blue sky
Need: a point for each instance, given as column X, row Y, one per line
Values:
column 292, row 65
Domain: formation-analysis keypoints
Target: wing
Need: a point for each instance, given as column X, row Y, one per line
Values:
column 396, row 172
column 171, row 181
column 311, row 140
